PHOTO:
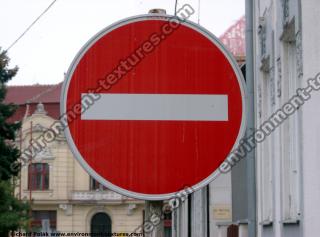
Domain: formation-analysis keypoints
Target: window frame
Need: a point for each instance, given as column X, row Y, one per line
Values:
column 33, row 175
column 96, row 186
column 37, row 222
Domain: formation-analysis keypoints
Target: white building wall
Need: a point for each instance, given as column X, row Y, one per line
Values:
column 310, row 10
column 192, row 215
column 287, row 53
column 220, row 205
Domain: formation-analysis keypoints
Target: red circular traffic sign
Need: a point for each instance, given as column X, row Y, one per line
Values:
column 162, row 105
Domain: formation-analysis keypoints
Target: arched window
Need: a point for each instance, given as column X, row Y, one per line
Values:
column 101, row 223
column 38, row 176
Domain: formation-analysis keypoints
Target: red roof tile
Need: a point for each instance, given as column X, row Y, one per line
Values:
column 49, row 95
column 52, row 109
column 33, row 94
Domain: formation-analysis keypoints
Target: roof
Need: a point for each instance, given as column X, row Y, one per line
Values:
column 33, row 94
column 27, row 98
column 234, row 38
column 52, row 109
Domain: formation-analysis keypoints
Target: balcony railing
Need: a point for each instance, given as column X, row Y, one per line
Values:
column 101, row 195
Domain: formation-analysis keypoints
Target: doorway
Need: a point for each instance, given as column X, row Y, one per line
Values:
column 101, row 223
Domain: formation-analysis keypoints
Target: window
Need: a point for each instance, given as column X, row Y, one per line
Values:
column 95, row 185
column 44, row 221
column 38, row 177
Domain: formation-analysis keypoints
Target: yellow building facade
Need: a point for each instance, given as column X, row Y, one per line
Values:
column 64, row 198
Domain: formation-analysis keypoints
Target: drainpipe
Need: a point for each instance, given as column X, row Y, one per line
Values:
column 251, row 175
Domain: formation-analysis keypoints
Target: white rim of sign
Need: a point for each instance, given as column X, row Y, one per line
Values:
column 93, row 40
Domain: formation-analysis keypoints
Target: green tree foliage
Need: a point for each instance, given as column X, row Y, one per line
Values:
column 8, row 152
column 13, row 213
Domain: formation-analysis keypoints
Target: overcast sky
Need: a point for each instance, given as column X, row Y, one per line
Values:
column 46, row 51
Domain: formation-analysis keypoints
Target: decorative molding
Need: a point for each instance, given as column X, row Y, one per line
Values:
column 265, row 64
column 67, row 209
column 44, row 154
column 267, row 222
column 288, row 34
column 262, row 36
column 40, row 109
column 259, row 100
column 290, row 221
column 299, row 54
column 285, row 12
column 38, row 128
column 96, row 196
column 272, row 86
column 41, row 129
column 131, row 208
column 279, row 77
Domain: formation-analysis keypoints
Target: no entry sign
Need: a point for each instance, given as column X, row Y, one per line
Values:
column 153, row 107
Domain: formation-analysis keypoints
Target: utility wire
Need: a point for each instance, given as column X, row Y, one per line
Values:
column 31, row 25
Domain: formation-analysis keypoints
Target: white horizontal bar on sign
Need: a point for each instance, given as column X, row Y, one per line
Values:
column 167, row 107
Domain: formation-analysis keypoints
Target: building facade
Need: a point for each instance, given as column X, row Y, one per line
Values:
column 63, row 197
column 287, row 55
